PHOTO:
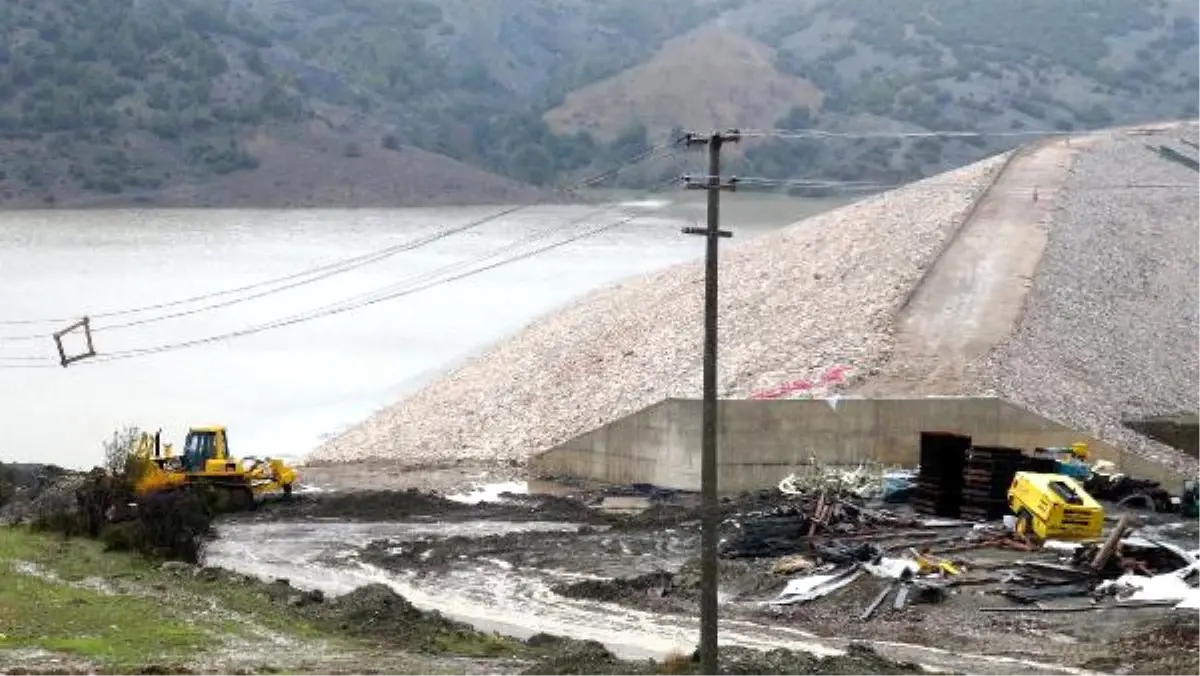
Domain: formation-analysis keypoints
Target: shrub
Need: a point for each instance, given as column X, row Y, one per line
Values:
column 102, row 504
column 169, row 525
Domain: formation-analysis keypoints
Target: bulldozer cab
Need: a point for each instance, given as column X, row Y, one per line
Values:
column 204, row 444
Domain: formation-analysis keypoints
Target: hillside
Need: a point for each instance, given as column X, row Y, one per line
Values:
column 912, row 66
column 708, row 78
column 173, row 103
column 920, row 290
column 165, row 101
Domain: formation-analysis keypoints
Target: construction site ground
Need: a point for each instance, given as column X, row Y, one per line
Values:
column 410, row 581
column 530, row 564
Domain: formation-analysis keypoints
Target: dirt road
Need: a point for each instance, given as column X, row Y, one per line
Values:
column 974, row 294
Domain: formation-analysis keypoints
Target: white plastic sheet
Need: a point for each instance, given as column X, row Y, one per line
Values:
column 810, row 587
column 892, row 569
column 1171, row 586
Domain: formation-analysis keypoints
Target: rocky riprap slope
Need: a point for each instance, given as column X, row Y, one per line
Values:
column 1110, row 328
column 794, row 303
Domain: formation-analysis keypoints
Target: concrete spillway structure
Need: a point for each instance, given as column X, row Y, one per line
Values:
column 762, row 441
column 1181, row 431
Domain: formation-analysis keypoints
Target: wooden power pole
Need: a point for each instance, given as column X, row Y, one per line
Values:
column 709, row 510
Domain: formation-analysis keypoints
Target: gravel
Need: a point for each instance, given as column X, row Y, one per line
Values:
column 1110, row 325
column 794, row 303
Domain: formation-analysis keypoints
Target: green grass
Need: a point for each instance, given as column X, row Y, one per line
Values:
column 72, row 559
column 158, row 621
column 479, row 645
column 167, row 619
column 117, row 631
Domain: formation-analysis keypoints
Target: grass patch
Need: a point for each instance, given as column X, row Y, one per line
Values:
column 479, row 645
column 118, row 631
column 75, row 559
column 162, row 618
column 148, row 617
column 71, row 558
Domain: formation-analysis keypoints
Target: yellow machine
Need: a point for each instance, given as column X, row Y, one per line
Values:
column 206, row 461
column 1054, row 506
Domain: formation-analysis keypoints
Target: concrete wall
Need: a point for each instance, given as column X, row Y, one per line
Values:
column 760, row 442
column 1181, row 431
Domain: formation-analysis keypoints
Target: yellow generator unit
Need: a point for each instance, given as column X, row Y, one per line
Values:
column 1054, row 506
column 206, row 460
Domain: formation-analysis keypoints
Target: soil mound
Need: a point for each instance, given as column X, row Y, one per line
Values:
column 589, row 657
column 376, row 609
column 650, row 585
column 409, row 504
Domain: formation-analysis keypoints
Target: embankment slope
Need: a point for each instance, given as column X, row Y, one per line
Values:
column 1109, row 330
column 818, row 293
column 1107, row 326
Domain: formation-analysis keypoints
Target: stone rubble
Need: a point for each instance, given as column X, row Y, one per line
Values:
column 1110, row 328
column 793, row 302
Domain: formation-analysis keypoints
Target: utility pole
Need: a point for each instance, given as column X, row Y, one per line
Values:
column 709, row 512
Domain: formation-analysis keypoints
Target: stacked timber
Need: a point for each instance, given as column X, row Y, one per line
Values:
column 943, row 457
column 988, row 474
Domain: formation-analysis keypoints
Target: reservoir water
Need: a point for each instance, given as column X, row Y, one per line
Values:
column 281, row 390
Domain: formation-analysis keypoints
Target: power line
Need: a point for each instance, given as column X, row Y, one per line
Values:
column 213, row 306
column 821, row 134
column 328, row 270
column 333, row 309
column 390, row 292
column 925, row 183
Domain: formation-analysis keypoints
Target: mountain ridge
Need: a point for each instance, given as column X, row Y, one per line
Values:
column 412, row 102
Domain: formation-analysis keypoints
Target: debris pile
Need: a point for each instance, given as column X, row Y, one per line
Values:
column 826, row 538
column 825, row 501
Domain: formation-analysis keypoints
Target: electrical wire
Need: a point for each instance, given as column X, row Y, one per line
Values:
column 324, row 271
column 213, row 306
column 821, row 134
column 420, row 282
column 335, row 308
column 922, row 183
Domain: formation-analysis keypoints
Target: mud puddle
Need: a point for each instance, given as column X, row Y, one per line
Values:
column 475, row 572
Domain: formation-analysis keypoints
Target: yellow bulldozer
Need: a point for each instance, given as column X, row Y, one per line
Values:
column 206, row 461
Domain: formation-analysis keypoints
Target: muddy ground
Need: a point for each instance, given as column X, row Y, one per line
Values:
column 64, row 591
column 537, row 566
column 648, row 562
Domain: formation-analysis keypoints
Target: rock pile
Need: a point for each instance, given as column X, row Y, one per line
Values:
column 1110, row 329
column 796, row 301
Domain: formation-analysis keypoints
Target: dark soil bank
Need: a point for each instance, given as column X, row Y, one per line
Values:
column 589, row 657
column 412, row 504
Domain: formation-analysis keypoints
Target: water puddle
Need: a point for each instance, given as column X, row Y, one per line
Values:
column 490, row 492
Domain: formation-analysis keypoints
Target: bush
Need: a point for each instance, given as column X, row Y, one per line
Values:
column 119, row 450
column 102, row 504
column 172, row 525
column 8, row 484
